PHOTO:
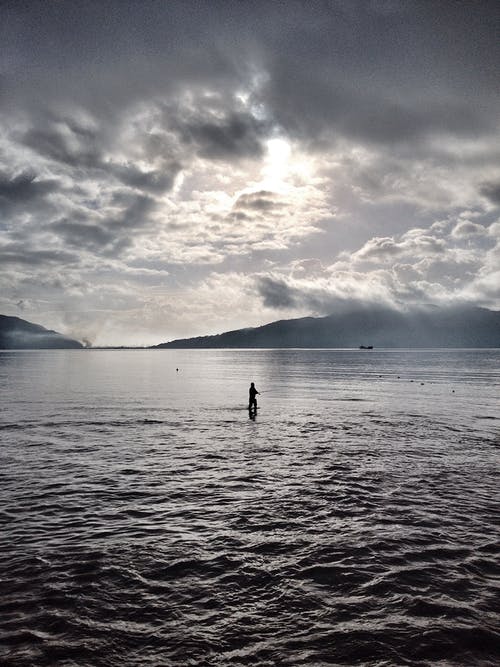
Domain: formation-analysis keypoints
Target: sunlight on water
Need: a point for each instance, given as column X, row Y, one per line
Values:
column 147, row 519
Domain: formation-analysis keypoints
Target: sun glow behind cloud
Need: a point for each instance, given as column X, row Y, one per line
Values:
column 229, row 153
column 285, row 166
column 276, row 164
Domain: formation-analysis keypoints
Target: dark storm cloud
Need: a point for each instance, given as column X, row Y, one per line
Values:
column 260, row 201
column 351, row 69
column 236, row 136
column 73, row 149
column 155, row 181
column 107, row 102
column 135, row 216
column 319, row 108
column 107, row 56
column 276, row 293
column 22, row 189
column 326, row 69
column 111, row 235
column 75, row 146
column 20, row 254
column 492, row 192
column 83, row 235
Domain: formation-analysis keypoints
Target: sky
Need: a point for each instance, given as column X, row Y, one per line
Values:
column 174, row 169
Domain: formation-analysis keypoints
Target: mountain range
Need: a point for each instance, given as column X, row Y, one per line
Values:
column 378, row 326
column 18, row 334
column 356, row 327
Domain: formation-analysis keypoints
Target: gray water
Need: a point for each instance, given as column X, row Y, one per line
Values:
column 147, row 519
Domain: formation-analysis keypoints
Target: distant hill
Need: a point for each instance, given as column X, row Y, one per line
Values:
column 377, row 326
column 18, row 334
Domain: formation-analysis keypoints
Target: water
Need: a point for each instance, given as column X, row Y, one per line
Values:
column 147, row 520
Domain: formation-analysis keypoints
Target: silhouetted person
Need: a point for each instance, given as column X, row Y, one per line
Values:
column 252, row 401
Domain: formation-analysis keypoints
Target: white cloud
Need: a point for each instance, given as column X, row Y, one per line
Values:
column 148, row 183
column 466, row 229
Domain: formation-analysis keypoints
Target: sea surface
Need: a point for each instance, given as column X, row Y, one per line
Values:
column 146, row 519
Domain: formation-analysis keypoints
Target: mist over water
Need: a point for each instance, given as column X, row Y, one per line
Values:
column 147, row 520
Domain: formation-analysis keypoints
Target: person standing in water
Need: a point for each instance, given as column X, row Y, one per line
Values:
column 252, row 393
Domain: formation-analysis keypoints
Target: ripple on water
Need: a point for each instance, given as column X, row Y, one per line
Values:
column 315, row 535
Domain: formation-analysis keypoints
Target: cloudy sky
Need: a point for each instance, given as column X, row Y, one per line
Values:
column 172, row 169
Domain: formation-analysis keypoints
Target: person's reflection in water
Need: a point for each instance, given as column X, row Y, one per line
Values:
column 252, row 401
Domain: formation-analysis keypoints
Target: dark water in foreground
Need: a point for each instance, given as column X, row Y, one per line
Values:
column 146, row 520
